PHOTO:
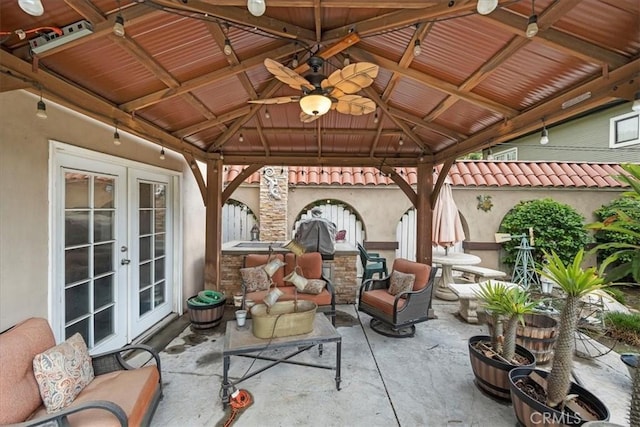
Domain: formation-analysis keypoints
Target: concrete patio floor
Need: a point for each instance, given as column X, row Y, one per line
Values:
column 421, row 381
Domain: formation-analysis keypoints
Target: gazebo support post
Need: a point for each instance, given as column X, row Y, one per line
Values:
column 213, row 227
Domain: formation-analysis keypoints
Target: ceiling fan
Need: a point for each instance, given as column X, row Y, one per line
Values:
column 320, row 93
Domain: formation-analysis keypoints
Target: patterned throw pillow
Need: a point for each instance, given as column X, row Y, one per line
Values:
column 314, row 286
column 401, row 282
column 255, row 278
column 62, row 372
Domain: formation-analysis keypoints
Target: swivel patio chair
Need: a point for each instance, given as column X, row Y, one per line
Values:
column 399, row 301
column 372, row 263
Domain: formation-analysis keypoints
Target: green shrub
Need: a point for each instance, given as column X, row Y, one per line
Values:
column 629, row 206
column 556, row 227
column 629, row 322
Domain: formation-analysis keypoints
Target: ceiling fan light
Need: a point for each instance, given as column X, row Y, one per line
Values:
column 32, row 7
column 485, row 7
column 256, row 7
column 315, row 104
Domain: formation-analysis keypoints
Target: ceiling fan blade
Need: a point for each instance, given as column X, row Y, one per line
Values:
column 355, row 105
column 307, row 118
column 277, row 100
column 353, row 77
column 287, row 75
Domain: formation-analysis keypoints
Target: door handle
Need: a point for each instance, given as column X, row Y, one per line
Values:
column 125, row 261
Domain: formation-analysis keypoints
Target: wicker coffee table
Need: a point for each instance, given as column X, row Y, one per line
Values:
column 242, row 342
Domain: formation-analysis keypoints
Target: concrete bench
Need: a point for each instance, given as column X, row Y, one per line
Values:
column 466, row 293
column 479, row 274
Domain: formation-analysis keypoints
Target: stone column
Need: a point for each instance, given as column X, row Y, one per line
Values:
column 274, row 194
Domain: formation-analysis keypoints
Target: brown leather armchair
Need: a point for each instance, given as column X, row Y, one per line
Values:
column 396, row 315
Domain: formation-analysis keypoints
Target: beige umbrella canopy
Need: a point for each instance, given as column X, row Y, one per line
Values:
column 446, row 226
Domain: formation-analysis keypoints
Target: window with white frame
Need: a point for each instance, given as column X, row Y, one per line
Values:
column 502, row 156
column 624, row 130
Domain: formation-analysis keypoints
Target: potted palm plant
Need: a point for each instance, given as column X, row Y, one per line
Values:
column 492, row 357
column 552, row 397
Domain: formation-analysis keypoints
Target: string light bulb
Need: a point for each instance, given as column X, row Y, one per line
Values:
column 227, row 47
column 347, row 60
column 401, row 141
column 375, row 117
column 41, row 111
column 532, row 24
column 295, row 63
column 544, row 136
column 241, row 138
column 116, row 136
column 162, row 156
column 485, row 7
column 266, row 114
column 417, row 50
column 256, row 7
column 118, row 27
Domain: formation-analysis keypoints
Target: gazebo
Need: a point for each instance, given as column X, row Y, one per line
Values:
column 452, row 77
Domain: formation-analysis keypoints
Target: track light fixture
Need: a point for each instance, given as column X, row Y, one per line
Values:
column 32, row 7
column 162, row 156
column 417, row 50
column 41, row 112
column 544, row 136
column 116, row 135
column 485, row 7
column 532, row 24
column 256, row 7
column 227, row 47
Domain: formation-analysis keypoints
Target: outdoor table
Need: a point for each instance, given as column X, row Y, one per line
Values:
column 447, row 261
column 241, row 342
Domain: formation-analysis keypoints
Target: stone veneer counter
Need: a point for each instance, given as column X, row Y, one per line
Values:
column 342, row 270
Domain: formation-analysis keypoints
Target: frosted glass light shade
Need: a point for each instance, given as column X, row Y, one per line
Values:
column 32, row 7
column 315, row 104
column 256, row 7
column 485, row 7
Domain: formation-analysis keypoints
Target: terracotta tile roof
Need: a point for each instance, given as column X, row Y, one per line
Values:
column 479, row 173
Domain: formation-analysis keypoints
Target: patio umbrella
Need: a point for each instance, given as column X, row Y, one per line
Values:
column 446, row 226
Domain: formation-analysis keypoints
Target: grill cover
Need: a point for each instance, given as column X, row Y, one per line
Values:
column 317, row 235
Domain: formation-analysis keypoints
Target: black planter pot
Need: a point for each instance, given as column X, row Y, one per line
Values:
column 530, row 412
column 492, row 376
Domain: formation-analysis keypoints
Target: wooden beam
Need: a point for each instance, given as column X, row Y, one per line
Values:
column 434, row 82
column 556, row 39
column 352, row 4
column 304, row 159
column 197, row 174
column 332, row 131
column 206, row 79
column 87, row 10
column 242, row 176
column 218, row 121
column 83, row 101
column 242, row 16
column 442, row 176
column 418, row 121
column 601, row 88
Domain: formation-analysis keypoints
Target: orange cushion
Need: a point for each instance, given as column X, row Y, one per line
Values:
column 382, row 300
column 310, row 264
column 131, row 390
column 323, row 298
column 421, row 271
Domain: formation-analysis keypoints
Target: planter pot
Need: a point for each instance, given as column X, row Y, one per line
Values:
column 204, row 315
column 538, row 334
column 492, row 376
column 530, row 412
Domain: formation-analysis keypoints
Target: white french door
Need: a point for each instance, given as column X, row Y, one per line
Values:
column 112, row 258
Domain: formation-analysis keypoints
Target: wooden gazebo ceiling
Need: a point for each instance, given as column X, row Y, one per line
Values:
column 478, row 81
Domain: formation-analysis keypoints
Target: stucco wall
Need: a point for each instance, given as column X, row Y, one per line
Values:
column 24, row 204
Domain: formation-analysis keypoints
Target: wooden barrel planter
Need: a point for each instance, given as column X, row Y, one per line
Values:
column 206, row 310
column 538, row 335
column 492, row 375
column 531, row 413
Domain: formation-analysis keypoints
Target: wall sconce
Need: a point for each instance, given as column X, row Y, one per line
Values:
column 484, row 203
